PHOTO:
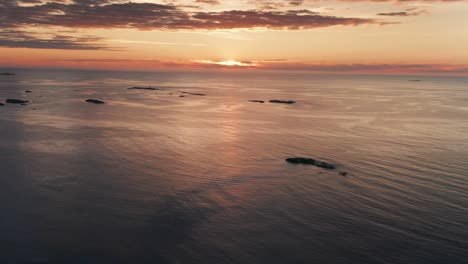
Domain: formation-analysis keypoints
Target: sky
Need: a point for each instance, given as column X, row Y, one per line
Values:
column 368, row 36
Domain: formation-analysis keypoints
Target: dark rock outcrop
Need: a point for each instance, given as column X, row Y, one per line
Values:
column 198, row 94
column 6, row 73
column 343, row 173
column 257, row 101
column 282, row 101
column 28, row 91
column 95, row 101
column 143, row 88
column 309, row 161
column 2, row 104
column 16, row 101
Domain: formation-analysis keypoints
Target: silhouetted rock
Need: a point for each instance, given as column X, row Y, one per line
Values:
column 282, row 101
column 95, row 101
column 28, row 91
column 309, row 161
column 198, row 94
column 6, row 73
column 143, row 88
column 343, row 173
column 181, row 95
column 16, row 101
column 2, row 104
column 257, row 101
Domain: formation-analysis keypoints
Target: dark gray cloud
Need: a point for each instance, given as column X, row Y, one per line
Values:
column 16, row 18
column 149, row 16
column 209, row 2
column 30, row 1
column 407, row 12
column 296, row 2
column 20, row 39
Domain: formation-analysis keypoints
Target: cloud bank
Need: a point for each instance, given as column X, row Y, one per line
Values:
column 150, row 16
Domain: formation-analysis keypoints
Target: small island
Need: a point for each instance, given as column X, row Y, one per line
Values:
column 282, row 101
column 95, row 101
column 16, row 101
column 143, row 88
column 198, row 94
column 309, row 161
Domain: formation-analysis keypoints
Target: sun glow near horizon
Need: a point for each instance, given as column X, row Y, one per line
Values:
column 228, row 63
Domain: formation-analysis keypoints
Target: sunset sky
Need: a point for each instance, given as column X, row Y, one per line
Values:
column 407, row 36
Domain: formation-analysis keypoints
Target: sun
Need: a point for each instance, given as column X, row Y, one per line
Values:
column 233, row 63
column 229, row 63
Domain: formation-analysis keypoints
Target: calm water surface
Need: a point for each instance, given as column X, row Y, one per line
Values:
column 151, row 177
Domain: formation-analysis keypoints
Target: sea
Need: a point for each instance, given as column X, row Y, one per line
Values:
column 193, row 172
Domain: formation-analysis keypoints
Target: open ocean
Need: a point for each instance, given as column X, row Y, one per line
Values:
column 151, row 177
